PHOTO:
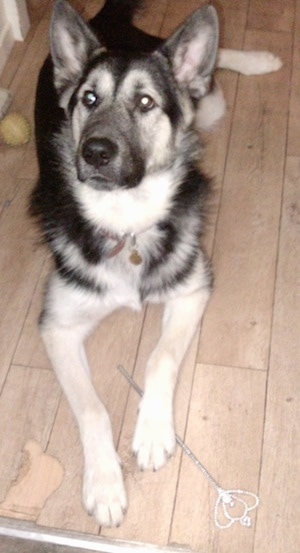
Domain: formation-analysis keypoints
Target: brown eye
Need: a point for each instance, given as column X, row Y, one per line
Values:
column 146, row 103
column 89, row 99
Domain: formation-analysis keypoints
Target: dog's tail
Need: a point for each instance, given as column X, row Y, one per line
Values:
column 248, row 62
column 114, row 25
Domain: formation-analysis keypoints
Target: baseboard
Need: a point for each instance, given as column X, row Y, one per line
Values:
column 5, row 100
column 6, row 44
column 18, row 536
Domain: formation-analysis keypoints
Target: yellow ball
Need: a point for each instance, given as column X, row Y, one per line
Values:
column 15, row 129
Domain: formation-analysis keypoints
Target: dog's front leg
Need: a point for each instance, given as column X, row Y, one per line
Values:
column 70, row 314
column 154, row 438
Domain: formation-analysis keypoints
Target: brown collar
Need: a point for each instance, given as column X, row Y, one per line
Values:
column 121, row 241
column 134, row 258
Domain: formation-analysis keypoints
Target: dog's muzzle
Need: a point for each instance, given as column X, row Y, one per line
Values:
column 99, row 152
column 103, row 163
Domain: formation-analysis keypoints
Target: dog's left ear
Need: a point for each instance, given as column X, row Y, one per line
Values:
column 71, row 44
column 192, row 51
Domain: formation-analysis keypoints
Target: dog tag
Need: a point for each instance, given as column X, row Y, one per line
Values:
column 134, row 257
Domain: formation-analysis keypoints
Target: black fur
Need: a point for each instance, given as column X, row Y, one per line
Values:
column 53, row 202
column 120, row 202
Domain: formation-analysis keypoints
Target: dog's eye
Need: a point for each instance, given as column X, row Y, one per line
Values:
column 89, row 99
column 146, row 103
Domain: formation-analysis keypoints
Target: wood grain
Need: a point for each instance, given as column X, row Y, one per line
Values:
column 237, row 323
column 271, row 15
column 20, row 268
column 237, row 399
column 28, row 406
column 279, row 516
column 294, row 118
column 223, row 433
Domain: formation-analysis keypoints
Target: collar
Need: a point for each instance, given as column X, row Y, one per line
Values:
column 118, row 247
column 134, row 257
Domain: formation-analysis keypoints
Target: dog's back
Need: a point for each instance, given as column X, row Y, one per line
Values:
column 119, row 14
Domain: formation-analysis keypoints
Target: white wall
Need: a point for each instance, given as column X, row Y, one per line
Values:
column 16, row 13
column 14, row 25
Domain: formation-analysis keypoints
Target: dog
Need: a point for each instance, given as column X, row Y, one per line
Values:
column 120, row 201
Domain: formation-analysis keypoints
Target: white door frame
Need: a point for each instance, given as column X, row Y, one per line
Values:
column 14, row 25
column 17, row 17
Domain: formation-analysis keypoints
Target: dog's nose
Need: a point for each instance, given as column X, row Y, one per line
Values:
column 99, row 151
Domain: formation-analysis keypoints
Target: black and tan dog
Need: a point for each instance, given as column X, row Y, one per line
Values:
column 120, row 201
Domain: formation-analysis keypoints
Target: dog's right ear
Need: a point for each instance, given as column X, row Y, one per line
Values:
column 71, row 44
column 192, row 51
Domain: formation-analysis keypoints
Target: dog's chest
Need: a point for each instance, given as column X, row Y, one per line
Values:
column 119, row 273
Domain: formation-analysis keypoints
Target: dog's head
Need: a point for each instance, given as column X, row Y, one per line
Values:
column 129, row 113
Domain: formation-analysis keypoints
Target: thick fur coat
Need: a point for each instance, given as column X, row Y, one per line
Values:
column 120, row 202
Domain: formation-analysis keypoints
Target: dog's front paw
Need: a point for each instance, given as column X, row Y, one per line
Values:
column 154, row 438
column 104, row 494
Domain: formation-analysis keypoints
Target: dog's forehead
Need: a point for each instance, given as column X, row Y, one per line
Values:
column 126, row 77
column 102, row 80
column 138, row 80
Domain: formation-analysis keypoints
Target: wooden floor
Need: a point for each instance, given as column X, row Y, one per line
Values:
column 237, row 402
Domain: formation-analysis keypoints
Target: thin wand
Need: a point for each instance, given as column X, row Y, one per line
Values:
column 226, row 498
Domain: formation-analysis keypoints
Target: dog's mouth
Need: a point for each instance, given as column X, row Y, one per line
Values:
column 116, row 179
column 101, row 164
column 90, row 175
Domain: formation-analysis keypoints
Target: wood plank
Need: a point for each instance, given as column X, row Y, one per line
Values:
column 28, row 404
column 236, row 328
column 11, row 160
column 234, row 5
column 224, row 431
column 216, row 142
column 278, row 520
column 232, row 18
column 90, row 9
column 30, row 349
column 20, row 267
column 29, row 168
column 267, row 93
column 176, row 13
column 293, row 136
column 150, row 18
column 36, row 10
column 232, row 23
column 271, row 15
column 151, row 494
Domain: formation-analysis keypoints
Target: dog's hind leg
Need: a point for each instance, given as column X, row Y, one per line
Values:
column 154, row 438
column 248, row 62
column 210, row 110
column 69, row 316
column 212, row 106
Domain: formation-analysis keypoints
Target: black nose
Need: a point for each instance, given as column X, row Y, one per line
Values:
column 99, row 151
